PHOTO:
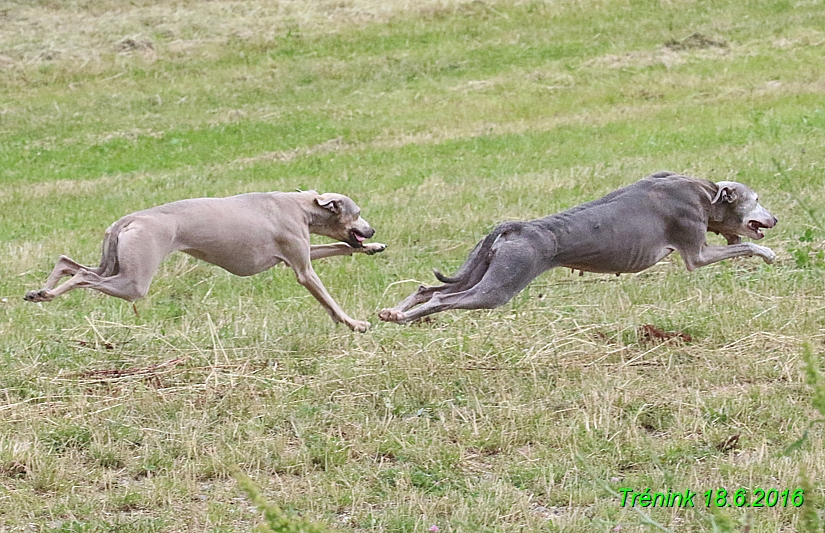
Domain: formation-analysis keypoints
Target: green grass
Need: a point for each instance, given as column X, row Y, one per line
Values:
column 440, row 119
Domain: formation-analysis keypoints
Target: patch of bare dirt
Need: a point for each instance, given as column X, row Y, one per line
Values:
column 696, row 41
column 651, row 333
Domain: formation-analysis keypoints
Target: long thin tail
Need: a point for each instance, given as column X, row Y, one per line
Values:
column 108, row 261
column 480, row 253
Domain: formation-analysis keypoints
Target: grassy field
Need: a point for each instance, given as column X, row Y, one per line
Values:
column 440, row 118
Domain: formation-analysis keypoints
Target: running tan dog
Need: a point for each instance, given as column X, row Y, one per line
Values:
column 244, row 234
column 628, row 230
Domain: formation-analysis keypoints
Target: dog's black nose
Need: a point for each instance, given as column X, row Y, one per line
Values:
column 370, row 233
column 775, row 221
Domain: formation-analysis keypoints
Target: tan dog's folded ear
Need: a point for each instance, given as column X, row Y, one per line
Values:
column 329, row 204
column 725, row 194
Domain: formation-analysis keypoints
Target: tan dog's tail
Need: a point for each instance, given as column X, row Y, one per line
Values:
column 108, row 261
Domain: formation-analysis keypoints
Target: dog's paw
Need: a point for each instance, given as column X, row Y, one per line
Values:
column 41, row 295
column 361, row 326
column 767, row 254
column 374, row 248
column 391, row 315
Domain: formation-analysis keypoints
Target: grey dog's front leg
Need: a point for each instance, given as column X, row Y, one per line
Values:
column 713, row 254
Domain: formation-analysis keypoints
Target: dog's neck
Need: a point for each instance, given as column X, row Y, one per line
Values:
column 716, row 211
column 716, row 216
column 317, row 221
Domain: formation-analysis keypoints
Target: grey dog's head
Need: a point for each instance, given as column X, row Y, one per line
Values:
column 736, row 211
column 341, row 220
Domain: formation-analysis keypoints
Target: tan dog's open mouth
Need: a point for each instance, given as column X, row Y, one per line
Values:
column 356, row 239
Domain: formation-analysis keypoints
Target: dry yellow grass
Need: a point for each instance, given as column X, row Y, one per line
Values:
column 441, row 119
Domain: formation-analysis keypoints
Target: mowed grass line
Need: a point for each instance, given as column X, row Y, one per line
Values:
column 440, row 120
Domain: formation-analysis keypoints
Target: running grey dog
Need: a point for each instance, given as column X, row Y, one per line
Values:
column 244, row 234
column 628, row 230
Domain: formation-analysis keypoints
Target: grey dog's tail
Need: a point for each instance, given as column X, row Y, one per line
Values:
column 481, row 253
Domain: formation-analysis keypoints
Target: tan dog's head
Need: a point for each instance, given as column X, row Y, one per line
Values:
column 736, row 211
column 341, row 220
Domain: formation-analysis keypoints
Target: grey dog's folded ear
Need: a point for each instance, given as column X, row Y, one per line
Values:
column 725, row 194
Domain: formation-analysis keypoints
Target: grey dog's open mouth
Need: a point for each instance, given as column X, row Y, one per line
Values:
column 756, row 227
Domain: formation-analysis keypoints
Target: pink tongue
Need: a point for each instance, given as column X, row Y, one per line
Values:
column 358, row 237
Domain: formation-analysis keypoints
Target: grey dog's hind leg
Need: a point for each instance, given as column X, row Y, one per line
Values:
column 472, row 272
column 511, row 268
column 471, row 277
column 479, row 256
column 421, row 295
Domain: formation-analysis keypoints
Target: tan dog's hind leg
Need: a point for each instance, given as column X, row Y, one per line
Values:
column 118, row 286
column 64, row 267
column 137, row 256
column 128, row 285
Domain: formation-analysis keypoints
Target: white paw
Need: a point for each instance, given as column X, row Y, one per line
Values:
column 391, row 315
column 374, row 248
column 763, row 252
column 361, row 326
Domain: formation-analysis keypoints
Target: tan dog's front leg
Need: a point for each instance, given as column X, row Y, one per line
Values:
column 309, row 279
column 341, row 248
